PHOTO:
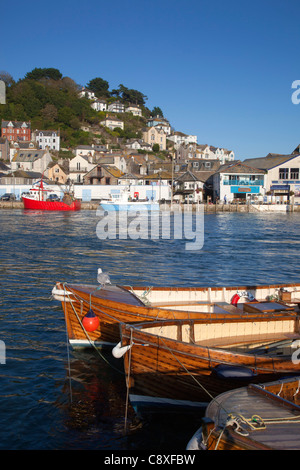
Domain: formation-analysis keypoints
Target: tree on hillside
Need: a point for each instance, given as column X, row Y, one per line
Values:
column 130, row 96
column 38, row 73
column 6, row 78
column 156, row 111
column 99, row 86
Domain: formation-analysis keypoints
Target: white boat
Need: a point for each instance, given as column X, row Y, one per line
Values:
column 124, row 202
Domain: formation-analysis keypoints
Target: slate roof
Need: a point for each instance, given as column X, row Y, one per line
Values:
column 270, row 161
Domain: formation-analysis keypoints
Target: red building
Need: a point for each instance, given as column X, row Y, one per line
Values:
column 16, row 131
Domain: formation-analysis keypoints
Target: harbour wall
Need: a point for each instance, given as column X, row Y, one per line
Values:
column 210, row 208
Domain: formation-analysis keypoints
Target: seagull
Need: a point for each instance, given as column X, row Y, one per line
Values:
column 103, row 278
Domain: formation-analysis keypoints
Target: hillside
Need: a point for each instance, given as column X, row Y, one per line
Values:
column 51, row 101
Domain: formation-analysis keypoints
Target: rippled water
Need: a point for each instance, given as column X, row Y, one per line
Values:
column 40, row 408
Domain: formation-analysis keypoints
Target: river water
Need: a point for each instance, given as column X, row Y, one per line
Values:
column 52, row 397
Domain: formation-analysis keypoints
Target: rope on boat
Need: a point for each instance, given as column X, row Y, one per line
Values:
column 86, row 333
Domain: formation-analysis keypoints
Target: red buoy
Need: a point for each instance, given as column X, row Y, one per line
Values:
column 90, row 322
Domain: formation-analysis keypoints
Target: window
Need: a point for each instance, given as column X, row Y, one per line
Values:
column 283, row 173
column 294, row 173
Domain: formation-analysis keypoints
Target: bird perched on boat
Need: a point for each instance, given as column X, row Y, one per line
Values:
column 103, row 278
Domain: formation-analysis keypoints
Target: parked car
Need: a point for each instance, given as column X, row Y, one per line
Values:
column 8, row 197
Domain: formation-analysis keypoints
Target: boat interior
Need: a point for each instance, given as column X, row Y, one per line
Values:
column 272, row 336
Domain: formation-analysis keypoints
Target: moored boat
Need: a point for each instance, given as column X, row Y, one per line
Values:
column 38, row 199
column 256, row 417
column 124, row 202
column 112, row 304
column 192, row 361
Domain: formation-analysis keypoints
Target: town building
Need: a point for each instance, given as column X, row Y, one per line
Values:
column 31, row 160
column 16, row 130
column 99, row 105
column 116, row 107
column 112, row 123
column 153, row 135
column 282, row 175
column 238, row 181
column 47, row 138
column 179, row 138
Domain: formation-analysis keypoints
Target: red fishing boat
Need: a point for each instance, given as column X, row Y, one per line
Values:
column 40, row 199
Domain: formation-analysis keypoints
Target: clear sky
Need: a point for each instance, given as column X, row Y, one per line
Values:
column 221, row 70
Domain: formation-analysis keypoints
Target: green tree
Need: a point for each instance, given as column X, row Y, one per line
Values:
column 99, row 87
column 131, row 96
column 38, row 74
column 156, row 111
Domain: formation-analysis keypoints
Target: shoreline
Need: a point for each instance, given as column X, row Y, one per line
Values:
column 252, row 208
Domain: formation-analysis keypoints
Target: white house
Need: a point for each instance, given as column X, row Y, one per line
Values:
column 180, row 138
column 112, row 123
column 31, row 160
column 79, row 166
column 85, row 93
column 47, row 138
column 116, row 107
column 134, row 109
column 99, row 105
column 238, row 180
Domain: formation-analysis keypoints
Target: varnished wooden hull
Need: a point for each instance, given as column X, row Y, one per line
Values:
column 122, row 304
column 257, row 417
column 159, row 367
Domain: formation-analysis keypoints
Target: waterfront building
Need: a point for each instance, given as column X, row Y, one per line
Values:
column 188, row 188
column 4, row 149
column 238, row 181
column 282, row 175
column 31, row 160
column 57, row 173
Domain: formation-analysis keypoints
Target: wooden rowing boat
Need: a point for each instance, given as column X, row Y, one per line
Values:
column 189, row 362
column 114, row 304
column 257, row 417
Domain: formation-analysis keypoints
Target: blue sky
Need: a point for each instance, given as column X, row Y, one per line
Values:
column 221, row 70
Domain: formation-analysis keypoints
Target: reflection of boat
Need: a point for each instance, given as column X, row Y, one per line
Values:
column 38, row 199
column 123, row 202
column 175, row 362
column 257, row 417
column 114, row 304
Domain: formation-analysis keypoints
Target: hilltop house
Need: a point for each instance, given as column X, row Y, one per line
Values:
column 85, row 93
column 45, row 139
column 16, row 130
column 31, row 160
column 134, row 109
column 116, row 107
column 112, row 123
column 237, row 181
column 282, row 174
column 99, row 105
column 160, row 123
column 179, row 138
